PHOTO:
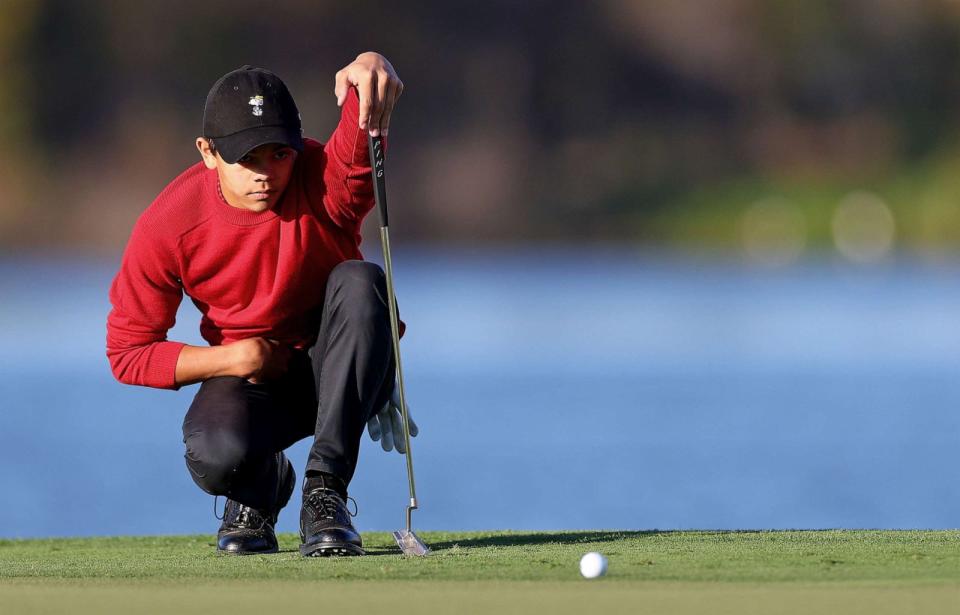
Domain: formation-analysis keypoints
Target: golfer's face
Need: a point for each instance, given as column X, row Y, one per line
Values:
column 257, row 181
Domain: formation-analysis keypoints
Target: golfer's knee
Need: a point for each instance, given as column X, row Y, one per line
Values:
column 214, row 457
column 356, row 274
column 360, row 285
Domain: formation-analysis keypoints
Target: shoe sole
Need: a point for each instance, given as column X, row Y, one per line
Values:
column 331, row 549
column 242, row 553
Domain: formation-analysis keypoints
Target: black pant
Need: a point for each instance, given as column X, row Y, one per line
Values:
column 234, row 428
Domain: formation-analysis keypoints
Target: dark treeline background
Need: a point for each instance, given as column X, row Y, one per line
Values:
column 692, row 124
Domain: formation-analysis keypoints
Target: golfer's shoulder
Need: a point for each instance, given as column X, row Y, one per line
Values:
column 312, row 162
column 180, row 207
column 312, row 153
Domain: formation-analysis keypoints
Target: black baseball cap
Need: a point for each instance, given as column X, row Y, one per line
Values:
column 247, row 108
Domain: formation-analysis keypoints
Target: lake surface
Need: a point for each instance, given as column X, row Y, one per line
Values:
column 554, row 389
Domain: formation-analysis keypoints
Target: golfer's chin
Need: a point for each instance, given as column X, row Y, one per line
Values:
column 259, row 205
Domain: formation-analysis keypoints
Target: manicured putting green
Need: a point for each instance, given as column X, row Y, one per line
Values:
column 502, row 572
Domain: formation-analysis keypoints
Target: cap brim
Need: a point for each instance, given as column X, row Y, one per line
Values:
column 238, row 145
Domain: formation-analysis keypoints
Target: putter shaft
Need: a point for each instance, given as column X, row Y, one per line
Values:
column 407, row 540
column 395, row 331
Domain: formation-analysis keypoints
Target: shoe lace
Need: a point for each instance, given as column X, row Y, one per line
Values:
column 325, row 502
column 244, row 514
column 243, row 517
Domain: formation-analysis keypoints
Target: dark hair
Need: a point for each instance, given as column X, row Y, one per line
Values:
column 213, row 146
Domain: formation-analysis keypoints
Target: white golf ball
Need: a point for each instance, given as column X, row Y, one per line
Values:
column 593, row 565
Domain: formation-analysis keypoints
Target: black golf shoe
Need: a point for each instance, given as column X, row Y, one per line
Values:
column 325, row 525
column 246, row 530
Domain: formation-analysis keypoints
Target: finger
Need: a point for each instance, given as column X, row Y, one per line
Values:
column 383, row 86
column 399, row 439
column 395, row 394
column 389, row 101
column 385, row 424
column 341, row 86
column 414, row 430
column 366, row 89
column 373, row 428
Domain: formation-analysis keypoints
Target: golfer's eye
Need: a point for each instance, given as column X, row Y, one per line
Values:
column 244, row 159
column 282, row 154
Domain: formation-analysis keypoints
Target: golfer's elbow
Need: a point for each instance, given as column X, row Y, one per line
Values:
column 122, row 366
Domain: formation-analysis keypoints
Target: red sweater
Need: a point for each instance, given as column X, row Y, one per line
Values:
column 250, row 274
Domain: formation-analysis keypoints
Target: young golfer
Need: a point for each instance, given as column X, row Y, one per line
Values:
column 263, row 235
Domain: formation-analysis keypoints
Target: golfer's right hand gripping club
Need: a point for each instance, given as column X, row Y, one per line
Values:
column 406, row 539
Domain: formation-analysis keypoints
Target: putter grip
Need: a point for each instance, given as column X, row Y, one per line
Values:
column 375, row 145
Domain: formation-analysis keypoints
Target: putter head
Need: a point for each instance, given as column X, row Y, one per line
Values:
column 410, row 543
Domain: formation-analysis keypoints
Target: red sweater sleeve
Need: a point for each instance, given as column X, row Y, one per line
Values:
column 145, row 295
column 348, row 194
column 349, row 187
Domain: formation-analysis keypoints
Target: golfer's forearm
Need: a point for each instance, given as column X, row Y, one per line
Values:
column 199, row 363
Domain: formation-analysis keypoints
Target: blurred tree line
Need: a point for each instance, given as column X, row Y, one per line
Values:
column 625, row 120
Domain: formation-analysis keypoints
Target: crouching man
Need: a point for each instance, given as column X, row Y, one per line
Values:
column 263, row 235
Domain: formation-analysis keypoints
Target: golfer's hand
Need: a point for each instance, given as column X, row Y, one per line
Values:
column 259, row 360
column 378, row 88
column 387, row 425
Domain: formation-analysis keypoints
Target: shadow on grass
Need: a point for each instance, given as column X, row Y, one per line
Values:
column 520, row 540
column 543, row 538
column 516, row 540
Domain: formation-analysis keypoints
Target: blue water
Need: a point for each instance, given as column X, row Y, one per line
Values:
column 554, row 389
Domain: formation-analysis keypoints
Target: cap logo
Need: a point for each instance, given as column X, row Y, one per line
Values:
column 257, row 103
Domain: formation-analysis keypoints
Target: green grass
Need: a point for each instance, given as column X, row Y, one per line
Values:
column 743, row 572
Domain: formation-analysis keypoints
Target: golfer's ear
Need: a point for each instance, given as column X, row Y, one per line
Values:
column 207, row 153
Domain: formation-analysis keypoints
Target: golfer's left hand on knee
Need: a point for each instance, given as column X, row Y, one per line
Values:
column 386, row 426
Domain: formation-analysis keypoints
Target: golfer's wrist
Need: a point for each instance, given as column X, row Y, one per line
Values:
column 198, row 363
column 237, row 360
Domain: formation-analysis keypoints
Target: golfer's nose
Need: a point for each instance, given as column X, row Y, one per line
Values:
column 264, row 172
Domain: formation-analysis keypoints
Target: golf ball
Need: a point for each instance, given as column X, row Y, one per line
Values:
column 593, row 565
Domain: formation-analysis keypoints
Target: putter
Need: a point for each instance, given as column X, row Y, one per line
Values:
column 406, row 539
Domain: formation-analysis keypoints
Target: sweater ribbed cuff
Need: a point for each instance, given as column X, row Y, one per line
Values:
column 163, row 365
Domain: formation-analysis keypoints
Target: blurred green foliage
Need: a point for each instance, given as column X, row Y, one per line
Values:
column 633, row 120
